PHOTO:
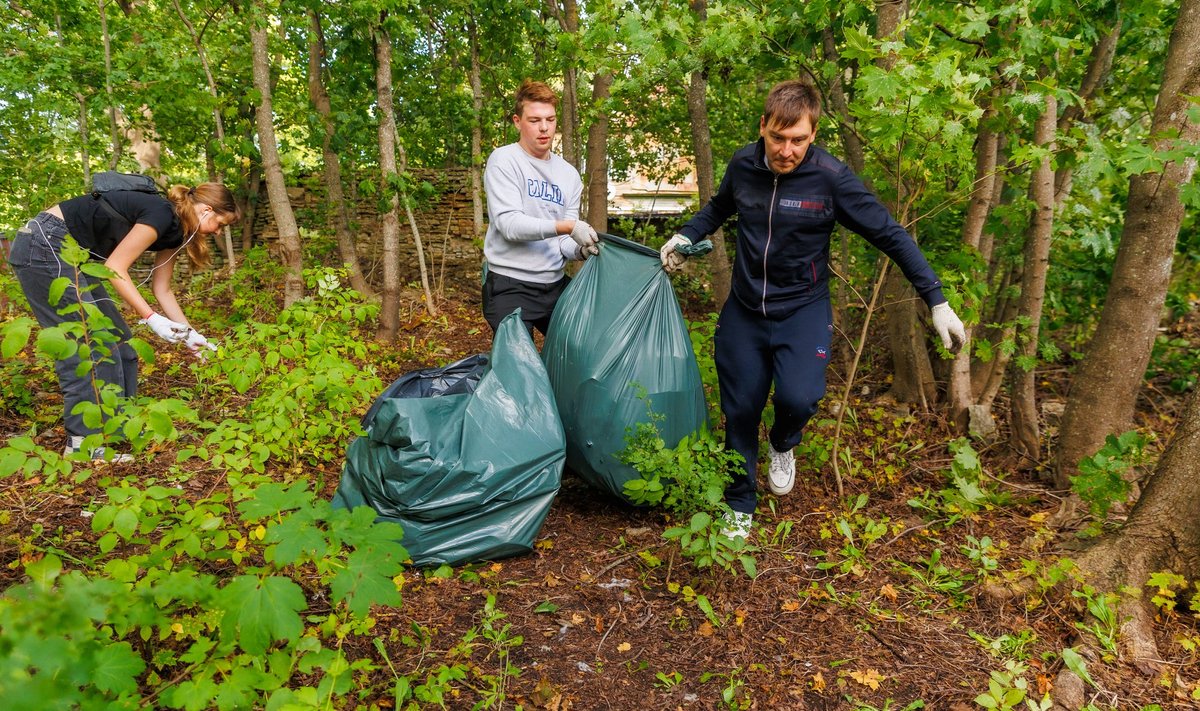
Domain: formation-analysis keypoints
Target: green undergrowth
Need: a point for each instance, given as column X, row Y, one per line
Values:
column 250, row 593
column 688, row 482
column 224, row 579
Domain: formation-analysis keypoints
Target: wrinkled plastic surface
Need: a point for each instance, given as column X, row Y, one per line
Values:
column 617, row 327
column 459, row 377
column 469, row 473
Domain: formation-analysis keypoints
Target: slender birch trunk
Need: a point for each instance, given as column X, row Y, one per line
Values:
column 285, row 220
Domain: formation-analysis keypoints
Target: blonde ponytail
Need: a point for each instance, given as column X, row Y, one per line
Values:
column 184, row 199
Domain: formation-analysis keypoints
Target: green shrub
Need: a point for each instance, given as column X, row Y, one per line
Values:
column 1101, row 479
column 689, row 481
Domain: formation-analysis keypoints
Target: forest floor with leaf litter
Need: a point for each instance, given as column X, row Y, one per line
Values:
column 605, row 614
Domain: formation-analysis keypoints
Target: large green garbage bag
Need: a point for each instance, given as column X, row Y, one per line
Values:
column 617, row 330
column 467, row 458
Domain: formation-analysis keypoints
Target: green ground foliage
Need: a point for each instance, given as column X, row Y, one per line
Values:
column 212, row 571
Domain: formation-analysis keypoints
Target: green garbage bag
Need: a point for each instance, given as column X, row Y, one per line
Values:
column 467, row 458
column 618, row 330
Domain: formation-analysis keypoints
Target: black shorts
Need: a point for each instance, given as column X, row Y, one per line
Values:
column 502, row 295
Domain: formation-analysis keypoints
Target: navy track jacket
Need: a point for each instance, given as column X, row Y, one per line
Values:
column 784, row 224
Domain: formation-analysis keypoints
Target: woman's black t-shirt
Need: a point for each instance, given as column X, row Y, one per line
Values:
column 99, row 232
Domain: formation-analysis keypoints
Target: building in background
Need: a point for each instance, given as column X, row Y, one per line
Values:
column 646, row 197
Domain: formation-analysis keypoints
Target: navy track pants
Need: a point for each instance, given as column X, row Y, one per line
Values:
column 752, row 352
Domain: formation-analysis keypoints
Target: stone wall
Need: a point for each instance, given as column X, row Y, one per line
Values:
column 444, row 221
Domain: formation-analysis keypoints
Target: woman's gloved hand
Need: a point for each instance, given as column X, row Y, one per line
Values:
column 166, row 329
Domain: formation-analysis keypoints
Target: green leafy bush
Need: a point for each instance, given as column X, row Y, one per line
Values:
column 688, row 481
column 158, row 625
column 1101, row 479
column 293, row 389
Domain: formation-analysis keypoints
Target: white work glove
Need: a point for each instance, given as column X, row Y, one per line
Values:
column 585, row 237
column 166, row 329
column 672, row 260
column 588, row 251
column 948, row 326
column 195, row 342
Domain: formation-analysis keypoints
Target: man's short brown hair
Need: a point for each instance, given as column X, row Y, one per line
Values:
column 534, row 92
column 790, row 101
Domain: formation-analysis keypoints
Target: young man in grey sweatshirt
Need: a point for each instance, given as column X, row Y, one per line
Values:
column 533, row 216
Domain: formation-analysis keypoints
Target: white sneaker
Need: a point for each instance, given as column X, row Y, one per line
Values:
column 75, row 443
column 781, row 473
column 737, row 524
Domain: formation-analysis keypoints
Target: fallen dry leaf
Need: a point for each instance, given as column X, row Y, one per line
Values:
column 790, row 606
column 818, row 682
column 1045, row 684
column 705, row 629
column 869, row 678
column 888, row 591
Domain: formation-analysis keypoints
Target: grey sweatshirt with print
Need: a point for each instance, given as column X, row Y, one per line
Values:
column 525, row 197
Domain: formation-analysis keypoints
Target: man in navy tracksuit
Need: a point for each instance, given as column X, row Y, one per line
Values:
column 777, row 325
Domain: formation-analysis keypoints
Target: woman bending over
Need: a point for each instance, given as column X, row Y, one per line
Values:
column 117, row 227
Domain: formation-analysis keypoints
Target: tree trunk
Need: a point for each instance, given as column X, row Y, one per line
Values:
column 568, row 124
column 912, row 371
column 114, row 130
column 570, row 116
column 227, row 241
column 477, row 160
column 285, row 220
column 840, row 108
column 987, row 241
column 697, row 105
column 856, row 159
column 597, row 154
column 84, row 158
column 389, row 315
column 888, row 16
column 83, row 141
column 959, row 392
column 422, row 266
column 1094, row 76
column 1025, row 436
column 250, row 206
column 1162, row 532
column 331, row 164
column 1104, row 391
column 986, row 377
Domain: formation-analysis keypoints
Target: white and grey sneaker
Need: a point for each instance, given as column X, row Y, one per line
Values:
column 781, row 472
column 737, row 524
column 75, row 444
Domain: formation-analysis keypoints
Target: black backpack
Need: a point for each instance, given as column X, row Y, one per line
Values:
column 110, row 180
